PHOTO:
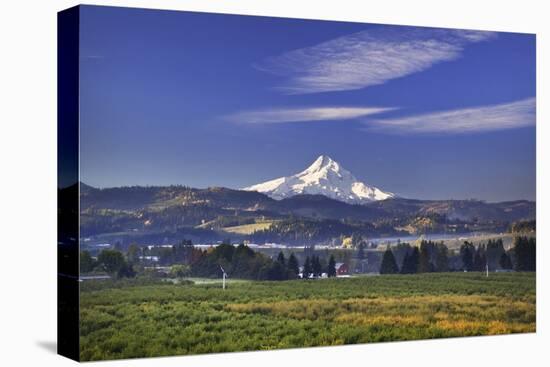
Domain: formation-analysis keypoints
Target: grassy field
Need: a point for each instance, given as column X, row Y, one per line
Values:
column 244, row 229
column 248, row 228
column 144, row 320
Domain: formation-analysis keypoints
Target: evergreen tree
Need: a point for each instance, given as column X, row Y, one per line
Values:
column 410, row 262
column 467, row 251
column 405, row 264
column 388, row 265
column 441, row 259
column 331, row 271
column 424, row 264
column 525, row 253
column 306, row 272
column 400, row 250
column 293, row 266
column 277, row 271
column 281, row 259
column 495, row 249
column 532, row 259
column 316, row 267
column 480, row 259
column 505, row 262
column 242, row 262
column 414, row 259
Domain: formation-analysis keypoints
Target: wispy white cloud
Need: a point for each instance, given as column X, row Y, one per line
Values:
column 468, row 120
column 282, row 115
column 368, row 58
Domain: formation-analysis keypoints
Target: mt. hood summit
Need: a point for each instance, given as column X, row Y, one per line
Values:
column 324, row 177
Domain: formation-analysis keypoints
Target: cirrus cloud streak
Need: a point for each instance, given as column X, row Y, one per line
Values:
column 283, row 115
column 511, row 115
column 368, row 58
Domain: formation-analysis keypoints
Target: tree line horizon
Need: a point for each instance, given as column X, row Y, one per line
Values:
column 185, row 260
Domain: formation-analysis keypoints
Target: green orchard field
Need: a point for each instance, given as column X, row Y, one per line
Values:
column 140, row 319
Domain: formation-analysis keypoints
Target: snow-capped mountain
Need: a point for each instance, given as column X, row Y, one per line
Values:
column 324, row 177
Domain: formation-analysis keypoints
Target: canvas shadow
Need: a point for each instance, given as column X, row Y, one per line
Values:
column 48, row 345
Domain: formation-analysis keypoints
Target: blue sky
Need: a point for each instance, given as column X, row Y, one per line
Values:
column 220, row 100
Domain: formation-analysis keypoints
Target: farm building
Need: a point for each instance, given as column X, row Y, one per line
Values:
column 341, row 269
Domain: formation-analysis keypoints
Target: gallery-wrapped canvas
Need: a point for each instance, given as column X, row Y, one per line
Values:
column 241, row 183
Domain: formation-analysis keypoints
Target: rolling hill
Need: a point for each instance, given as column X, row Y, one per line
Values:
column 164, row 213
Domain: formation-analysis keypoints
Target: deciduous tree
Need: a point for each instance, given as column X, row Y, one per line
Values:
column 87, row 263
column 111, row 261
column 133, row 254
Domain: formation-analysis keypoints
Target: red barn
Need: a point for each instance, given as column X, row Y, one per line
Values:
column 341, row 269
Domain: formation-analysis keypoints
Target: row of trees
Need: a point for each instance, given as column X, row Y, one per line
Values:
column 428, row 257
column 240, row 262
column 186, row 260
column 112, row 262
column 115, row 263
column 313, row 267
column 243, row 262
column 434, row 257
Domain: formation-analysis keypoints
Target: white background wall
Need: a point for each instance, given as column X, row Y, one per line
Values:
column 28, row 182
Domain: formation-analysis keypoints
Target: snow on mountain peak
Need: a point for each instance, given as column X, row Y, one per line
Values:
column 323, row 162
column 325, row 177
